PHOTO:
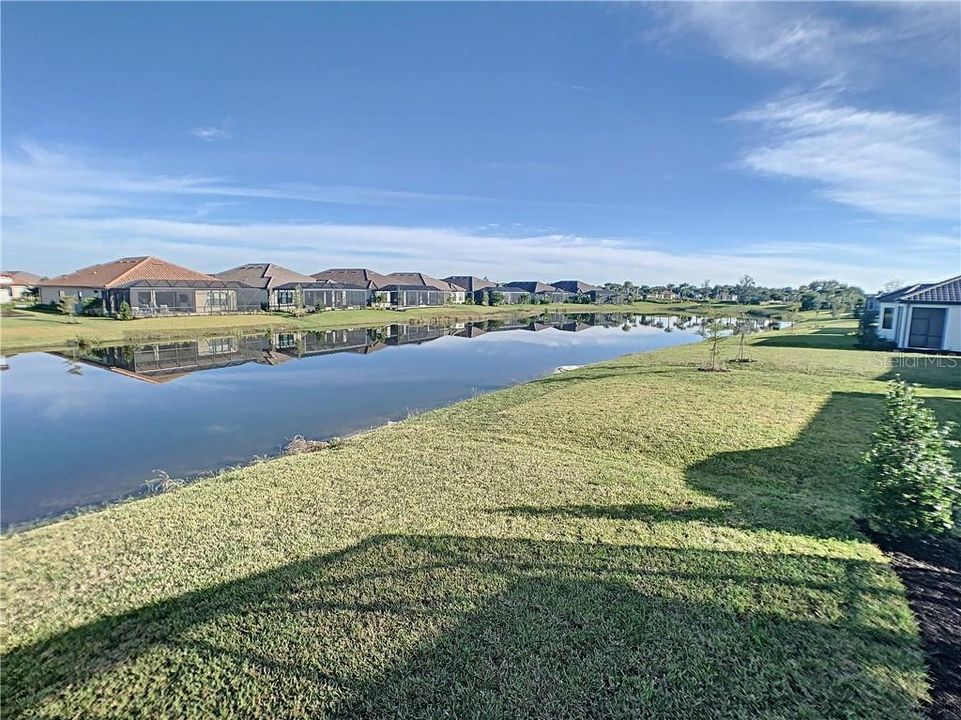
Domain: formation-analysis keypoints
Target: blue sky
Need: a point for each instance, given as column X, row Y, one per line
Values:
column 651, row 142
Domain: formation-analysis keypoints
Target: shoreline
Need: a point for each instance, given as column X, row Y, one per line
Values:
column 36, row 331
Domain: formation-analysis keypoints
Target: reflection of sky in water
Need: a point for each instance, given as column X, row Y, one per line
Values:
column 71, row 439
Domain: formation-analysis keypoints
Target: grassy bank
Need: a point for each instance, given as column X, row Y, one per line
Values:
column 633, row 539
column 35, row 330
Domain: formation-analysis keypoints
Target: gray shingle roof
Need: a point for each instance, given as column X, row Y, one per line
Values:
column 945, row 292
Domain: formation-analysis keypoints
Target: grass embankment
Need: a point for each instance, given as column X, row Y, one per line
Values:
column 42, row 330
column 633, row 539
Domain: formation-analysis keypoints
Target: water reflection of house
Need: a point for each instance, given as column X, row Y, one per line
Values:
column 325, row 342
column 414, row 334
column 163, row 362
column 471, row 331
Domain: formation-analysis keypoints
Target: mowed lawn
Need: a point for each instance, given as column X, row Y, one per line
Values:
column 636, row 539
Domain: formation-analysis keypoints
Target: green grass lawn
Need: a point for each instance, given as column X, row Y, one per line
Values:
column 632, row 539
column 36, row 330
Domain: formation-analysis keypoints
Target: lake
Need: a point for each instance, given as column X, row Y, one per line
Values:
column 92, row 425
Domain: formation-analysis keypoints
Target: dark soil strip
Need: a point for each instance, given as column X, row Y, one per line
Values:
column 931, row 572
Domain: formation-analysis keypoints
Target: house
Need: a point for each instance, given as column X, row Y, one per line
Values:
column 452, row 293
column 16, row 283
column 322, row 295
column 509, row 295
column 411, row 296
column 925, row 316
column 575, row 287
column 662, row 294
column 470, row 283
column 358, row 277
column 541, row 290
column 725, row 297
column 871, row 303
column 149, row 285
column 264, row 280
column 600, row 296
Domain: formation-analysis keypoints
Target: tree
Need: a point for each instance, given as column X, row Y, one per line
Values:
column 712, row 329
column 125, row 313
column 913, row 486
column 68, row 305
column 742, row 328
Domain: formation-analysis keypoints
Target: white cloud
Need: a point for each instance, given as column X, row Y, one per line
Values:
column 881, row 161
column 44, row 180
column 440, row 251
column 62, row 211
column 212, row 133
column 811, row 40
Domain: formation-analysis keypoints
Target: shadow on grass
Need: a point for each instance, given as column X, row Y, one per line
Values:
column 810, row 487
column 409, row 626
column 828, row 338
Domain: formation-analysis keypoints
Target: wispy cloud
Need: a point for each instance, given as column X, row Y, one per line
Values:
column 810, row 40
column 211, row 246
column 881, row 161
column 212, row 133
column 49, row 180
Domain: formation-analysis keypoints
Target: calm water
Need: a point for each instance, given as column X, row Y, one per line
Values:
column 92, row 426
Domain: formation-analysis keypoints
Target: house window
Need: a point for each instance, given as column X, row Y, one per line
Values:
column 887, row 319
column 143, row 298
column 285, row 297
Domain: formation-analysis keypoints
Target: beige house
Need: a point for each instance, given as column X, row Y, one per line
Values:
column 149, row 285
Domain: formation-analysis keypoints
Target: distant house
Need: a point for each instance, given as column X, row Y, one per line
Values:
column 871, row 303
column 264, row 280
column 470, row 283
column 662, row 294
column 725, row 297
column 358, row 277
column 509, row 295
column 602, row 296
column 323, row 295
column 17, row 283
column 925, row 316
column 575, row 287
column 452, row 293
column 411, row 296
column 150, row 286
column 541, row 290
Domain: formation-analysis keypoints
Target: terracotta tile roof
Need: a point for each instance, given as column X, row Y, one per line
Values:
column 354, row 276
column 264, row 275
column 123, row 271
column 21, row 277
column 416, row 278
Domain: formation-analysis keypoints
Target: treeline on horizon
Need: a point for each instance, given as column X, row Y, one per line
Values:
column 815, row 295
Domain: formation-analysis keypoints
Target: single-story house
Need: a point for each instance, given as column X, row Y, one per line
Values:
column 602, row 296
column 470, row 283
column 16, row 283
column 509, row 295
column 322, row 295
column 410, row 296
column 575, row 287
column 925, row 316
column 358, row 277
column 264, row 279
column 662, row 294
column 150, row 286
column 452, row 293
column 541, row 290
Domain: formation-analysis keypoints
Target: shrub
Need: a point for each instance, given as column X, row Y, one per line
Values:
column 67, row 305
column 125, row 313
column 913, row 485
column 868, row 338
column 91, row 305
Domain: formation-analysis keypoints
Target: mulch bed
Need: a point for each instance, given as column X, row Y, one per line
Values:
column 931, row 572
